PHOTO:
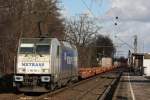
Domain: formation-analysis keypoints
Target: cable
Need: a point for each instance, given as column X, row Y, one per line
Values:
column 99, row 4
column 125, row 43
column 91, row 5
column 88, row 8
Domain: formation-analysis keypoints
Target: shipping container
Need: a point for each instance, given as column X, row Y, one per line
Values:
column 106, row 62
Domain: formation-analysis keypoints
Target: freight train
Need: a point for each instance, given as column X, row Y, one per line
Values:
column 44, row 63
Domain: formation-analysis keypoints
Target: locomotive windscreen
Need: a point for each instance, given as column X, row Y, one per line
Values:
column 34, row 56
column 44, row 49
column 26, row 48
column 34, row 45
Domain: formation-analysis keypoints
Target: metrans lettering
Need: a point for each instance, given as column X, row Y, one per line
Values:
column 32, row 64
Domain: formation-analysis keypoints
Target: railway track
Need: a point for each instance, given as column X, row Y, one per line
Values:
column 89, row 89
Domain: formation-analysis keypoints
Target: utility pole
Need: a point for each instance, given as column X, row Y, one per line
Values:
column 115, row 35
column 135, row 44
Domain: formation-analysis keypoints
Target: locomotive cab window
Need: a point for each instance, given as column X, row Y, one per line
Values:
column 26, row 48
column 44, row 49
column 58, row 50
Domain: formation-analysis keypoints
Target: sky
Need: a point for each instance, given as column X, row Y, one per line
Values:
column 133, row 19
column 76, row 7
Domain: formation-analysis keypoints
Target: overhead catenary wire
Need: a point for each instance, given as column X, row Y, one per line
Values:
column 98, row 19
column 125, row 43
column 88, row 8
column 99, row 4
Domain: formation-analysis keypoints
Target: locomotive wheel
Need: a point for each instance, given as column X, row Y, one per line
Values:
column 52, row 87
column 59, row 85
column 70, row 83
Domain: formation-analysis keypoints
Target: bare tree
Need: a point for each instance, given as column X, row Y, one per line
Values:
column 22, row 18
column 81, row 31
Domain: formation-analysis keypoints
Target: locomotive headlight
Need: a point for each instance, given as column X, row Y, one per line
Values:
column 45, row 70
column 45, row 78
column 21, row 70
column 18, row 78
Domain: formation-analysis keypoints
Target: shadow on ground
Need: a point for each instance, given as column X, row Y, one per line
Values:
column 6, row 84
column 136, row 81
column 34, row 93
column 122, row 98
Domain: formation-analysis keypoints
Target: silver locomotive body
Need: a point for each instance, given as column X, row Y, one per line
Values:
column 44, row 63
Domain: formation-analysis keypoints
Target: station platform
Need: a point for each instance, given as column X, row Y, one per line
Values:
column 132, row 87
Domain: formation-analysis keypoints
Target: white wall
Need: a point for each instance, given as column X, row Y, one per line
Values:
column 146, row 64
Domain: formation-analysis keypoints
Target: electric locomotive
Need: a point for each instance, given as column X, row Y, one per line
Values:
column 44, row 64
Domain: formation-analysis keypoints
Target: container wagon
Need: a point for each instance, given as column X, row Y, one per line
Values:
column 44, row 63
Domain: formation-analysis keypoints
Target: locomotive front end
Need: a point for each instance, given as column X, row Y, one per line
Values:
column 32, row 72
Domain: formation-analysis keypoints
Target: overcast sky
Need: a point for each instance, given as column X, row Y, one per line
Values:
column 133, row 19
